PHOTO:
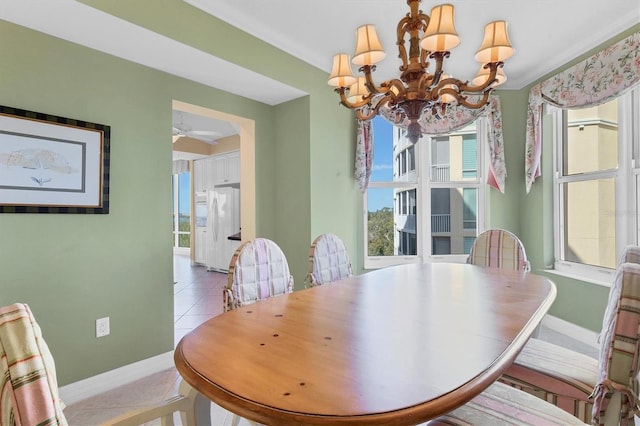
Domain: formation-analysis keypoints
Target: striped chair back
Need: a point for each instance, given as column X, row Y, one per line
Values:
column 630, row 254
column 258, row 270
column 498, row 248
column 328, row 260
column 619, row 351
column 29, row 388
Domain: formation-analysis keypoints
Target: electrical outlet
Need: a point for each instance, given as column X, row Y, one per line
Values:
column 102, row 327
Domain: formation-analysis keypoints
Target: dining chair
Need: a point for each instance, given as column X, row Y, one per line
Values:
column 29, row 388
column 328, row 260
column 498, row 248
column 258, row 270
column 503, row 405
column 582, row 385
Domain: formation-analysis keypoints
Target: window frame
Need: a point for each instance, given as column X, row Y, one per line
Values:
column 627, row 188
column 419, row 179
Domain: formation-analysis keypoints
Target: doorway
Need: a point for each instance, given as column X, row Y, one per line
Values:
column 198, row 292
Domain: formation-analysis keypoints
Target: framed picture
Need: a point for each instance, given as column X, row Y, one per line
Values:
column 51, row 164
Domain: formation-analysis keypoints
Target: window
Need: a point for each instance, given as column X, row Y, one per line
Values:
column 423, row 200
column 596, row 185
column 182, row 210
column 469, row 156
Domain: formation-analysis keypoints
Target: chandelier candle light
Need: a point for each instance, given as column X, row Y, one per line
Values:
column 418, row 91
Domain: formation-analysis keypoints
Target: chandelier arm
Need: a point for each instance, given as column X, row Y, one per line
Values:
column 373, row 111
column 423, row 58
column 402, row 50
column 439, row 57
column 423, row 53
column 491, row 78
column 462, row 100
column 369, row 83
column 352, row 105
column 389, row 84
column 446, row 82
column 425, row 82
column 484, row 101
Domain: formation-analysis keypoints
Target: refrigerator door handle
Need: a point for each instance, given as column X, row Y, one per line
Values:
column 215, row 219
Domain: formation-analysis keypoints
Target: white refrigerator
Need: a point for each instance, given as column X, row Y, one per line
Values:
column 224, row 221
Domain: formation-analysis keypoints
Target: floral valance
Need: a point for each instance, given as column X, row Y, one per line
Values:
column 180, row 166
column 456, row 118
column 599, row 79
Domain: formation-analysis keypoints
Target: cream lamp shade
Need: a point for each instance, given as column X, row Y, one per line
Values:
column 483, row 73
column 341, row 75
column 358, row 90
column 495, row 46
column 369, row 51
column 440, row 35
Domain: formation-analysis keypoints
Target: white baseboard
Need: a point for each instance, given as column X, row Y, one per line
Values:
column 108, row 380
column 574, row 331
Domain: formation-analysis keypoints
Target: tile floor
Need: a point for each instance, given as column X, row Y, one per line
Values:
column 198, row 297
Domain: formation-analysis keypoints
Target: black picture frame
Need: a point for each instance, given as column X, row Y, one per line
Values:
column 53, row 164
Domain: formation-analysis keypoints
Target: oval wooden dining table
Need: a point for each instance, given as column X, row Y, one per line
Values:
column 396, row 346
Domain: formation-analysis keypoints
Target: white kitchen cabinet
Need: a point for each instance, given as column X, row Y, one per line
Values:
column 226, row 168
column 233, row 166
column 200, row 175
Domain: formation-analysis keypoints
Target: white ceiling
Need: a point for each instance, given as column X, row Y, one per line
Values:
column 545, row 33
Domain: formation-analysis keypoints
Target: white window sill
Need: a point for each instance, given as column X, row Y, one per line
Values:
column 605, row 282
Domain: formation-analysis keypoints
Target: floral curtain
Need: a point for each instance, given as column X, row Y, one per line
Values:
column 364, row 154
column 599, row 79
column 456, row 118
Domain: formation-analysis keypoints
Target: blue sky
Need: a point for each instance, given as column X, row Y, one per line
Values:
column 184, row 203
column 382, row 169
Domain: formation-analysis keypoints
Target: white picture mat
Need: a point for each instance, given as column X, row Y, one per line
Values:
column 49, row 164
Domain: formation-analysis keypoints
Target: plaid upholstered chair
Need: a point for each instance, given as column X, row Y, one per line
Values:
column 582, row 385
column 29, row 385
column 328, row 260
column 500, row 249
column 258, row 270
column 503, row 405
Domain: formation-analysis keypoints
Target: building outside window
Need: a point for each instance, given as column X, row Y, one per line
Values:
column 423, row 200
column 596, row 185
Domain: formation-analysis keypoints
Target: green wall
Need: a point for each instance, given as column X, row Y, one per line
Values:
column 504, row 209
column 73, row 269
column 293, row 193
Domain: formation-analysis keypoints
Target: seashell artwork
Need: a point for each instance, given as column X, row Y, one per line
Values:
column 41, row 161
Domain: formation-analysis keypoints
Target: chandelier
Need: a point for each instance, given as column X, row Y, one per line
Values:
column 418, row 91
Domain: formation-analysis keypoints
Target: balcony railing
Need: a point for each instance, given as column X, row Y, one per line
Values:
column 440, row 223
column 440, row 173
